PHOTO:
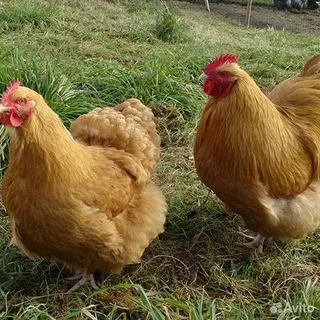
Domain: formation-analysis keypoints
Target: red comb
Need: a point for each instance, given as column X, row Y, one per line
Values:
column 6, row 98
column 220, row 61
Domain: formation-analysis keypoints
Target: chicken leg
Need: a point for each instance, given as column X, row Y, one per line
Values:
column 84, row 279
column 256, row 242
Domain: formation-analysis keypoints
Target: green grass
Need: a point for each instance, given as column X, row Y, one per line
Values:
column 80, row 54
column 15, row 15
column 167, row 27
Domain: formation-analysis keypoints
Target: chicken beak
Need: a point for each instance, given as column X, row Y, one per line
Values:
column 204, row 77
column 3, row 109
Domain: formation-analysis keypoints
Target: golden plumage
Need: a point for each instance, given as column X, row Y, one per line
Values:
column 85, row 198
column 260, row 154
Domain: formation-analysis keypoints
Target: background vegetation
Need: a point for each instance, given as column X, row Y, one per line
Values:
column 79, row 54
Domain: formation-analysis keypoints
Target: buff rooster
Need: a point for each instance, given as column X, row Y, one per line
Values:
column 261, row 154
column 86, row 198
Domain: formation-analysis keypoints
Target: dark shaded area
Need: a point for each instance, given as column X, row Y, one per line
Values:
column 303, row 16
column 281, row 4
column 270, row 17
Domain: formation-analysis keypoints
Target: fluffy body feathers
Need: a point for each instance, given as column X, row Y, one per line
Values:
column 260, row 155
column 85, row 199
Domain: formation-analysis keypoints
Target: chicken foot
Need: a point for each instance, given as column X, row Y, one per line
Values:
column 84, row 279
column 256, row 242
column 77, row 276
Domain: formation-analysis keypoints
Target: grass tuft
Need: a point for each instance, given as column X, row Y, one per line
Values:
column 168, row 28
column 17, row 14
column 44, row 75
column 154, row 82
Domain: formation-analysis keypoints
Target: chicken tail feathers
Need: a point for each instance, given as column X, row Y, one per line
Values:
column 129, row 127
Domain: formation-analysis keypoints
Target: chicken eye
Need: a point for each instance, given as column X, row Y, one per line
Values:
column 22, row 100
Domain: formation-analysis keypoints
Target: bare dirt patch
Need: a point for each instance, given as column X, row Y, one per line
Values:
column 270, row 17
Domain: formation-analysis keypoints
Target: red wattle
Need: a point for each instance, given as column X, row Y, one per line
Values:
column 15, row 119
column 208, row 88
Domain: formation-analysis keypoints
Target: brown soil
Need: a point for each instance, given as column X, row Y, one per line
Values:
column 270, row 17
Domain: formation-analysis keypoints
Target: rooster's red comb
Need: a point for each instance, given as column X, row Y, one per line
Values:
column 7, row 96
column 220, row 61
